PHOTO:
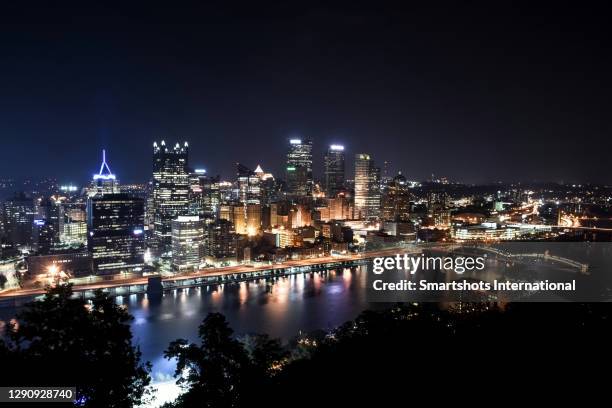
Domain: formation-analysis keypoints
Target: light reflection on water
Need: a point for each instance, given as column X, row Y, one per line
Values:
column 280, row 307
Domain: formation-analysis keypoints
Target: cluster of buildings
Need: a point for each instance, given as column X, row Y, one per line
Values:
column 185, row 219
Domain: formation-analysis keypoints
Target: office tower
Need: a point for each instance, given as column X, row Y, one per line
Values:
column 19, row 215
column 115, row 224
column 299, row 167
column 234, row 213
column 334, row 170
column 73, row 223
column 245, row 218
column 221, row 245
column 270, row 189
column 211, row 195
column 197, row 178
column 339, row 208
column 104, row 182
column 385, row 176
column 249, row 185
column 170, row 191
column 299, row 216
column 253, row 219
column 367, row 189
column 279, row 214
column 47, row 225
column 115, row 228
column 396, row 200
column 187, row 243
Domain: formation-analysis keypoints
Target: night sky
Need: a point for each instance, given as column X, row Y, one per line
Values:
column 473, row 91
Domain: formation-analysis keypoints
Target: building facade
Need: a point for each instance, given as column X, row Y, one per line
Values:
column 187, row 243
column 396, row 200
column 115, row 233
column 334, row 170
column 367, row 188
column 170, row 191
column 19, row 215
column 221, row 242
column 299, row 167
column 115, row 228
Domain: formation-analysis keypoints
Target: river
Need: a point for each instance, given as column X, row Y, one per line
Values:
column 280, row 307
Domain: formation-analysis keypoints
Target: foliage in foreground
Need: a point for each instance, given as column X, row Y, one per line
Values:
column 61, row 340
column 65, row 341
column 379, row 352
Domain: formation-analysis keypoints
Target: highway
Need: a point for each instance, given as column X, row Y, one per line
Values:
column 229, row 270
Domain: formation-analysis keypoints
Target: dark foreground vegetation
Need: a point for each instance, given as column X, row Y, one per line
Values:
column 385, row 355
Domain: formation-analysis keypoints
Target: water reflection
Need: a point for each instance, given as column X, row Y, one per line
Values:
column 279, row 306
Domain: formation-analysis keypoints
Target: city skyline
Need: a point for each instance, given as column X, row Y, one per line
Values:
column 448, row 91
column 212, row 203
column 83, row 177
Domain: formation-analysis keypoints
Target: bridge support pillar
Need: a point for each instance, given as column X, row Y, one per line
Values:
column 154, row 285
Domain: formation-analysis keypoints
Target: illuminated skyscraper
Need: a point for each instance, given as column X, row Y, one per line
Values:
column 367, row 188
column 249, row 185
column 115, row 236
column 269, row 188
column 221, row 242
column 334, row 170
column 115, row 226
column 197, row 178
column 187, row 243
column 48, row 225
column 170, row 191
column 299, row 167
column 19, row 215
column 211, row 195
column 104, row 182
column 396, row 200
column 73, row 222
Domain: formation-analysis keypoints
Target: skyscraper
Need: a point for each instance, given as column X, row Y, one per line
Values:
column 73, row 222
column 115, row 228
column 367, row 188
column 334, row 170
column 396, row 200
column 221, row 242
column 115, row 236
column 299, row 167
column 187, row 242
column 170, row 191
column 104, row 182
column 48, row 223
column 249, row 188
column 19, row 213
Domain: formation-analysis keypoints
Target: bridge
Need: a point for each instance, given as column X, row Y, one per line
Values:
column 583, row 268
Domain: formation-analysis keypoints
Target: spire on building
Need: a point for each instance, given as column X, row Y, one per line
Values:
column 105, row 172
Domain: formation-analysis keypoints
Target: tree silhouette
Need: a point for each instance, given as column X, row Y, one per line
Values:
column 213, row 372
column 65, row 341
column 222, row 371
